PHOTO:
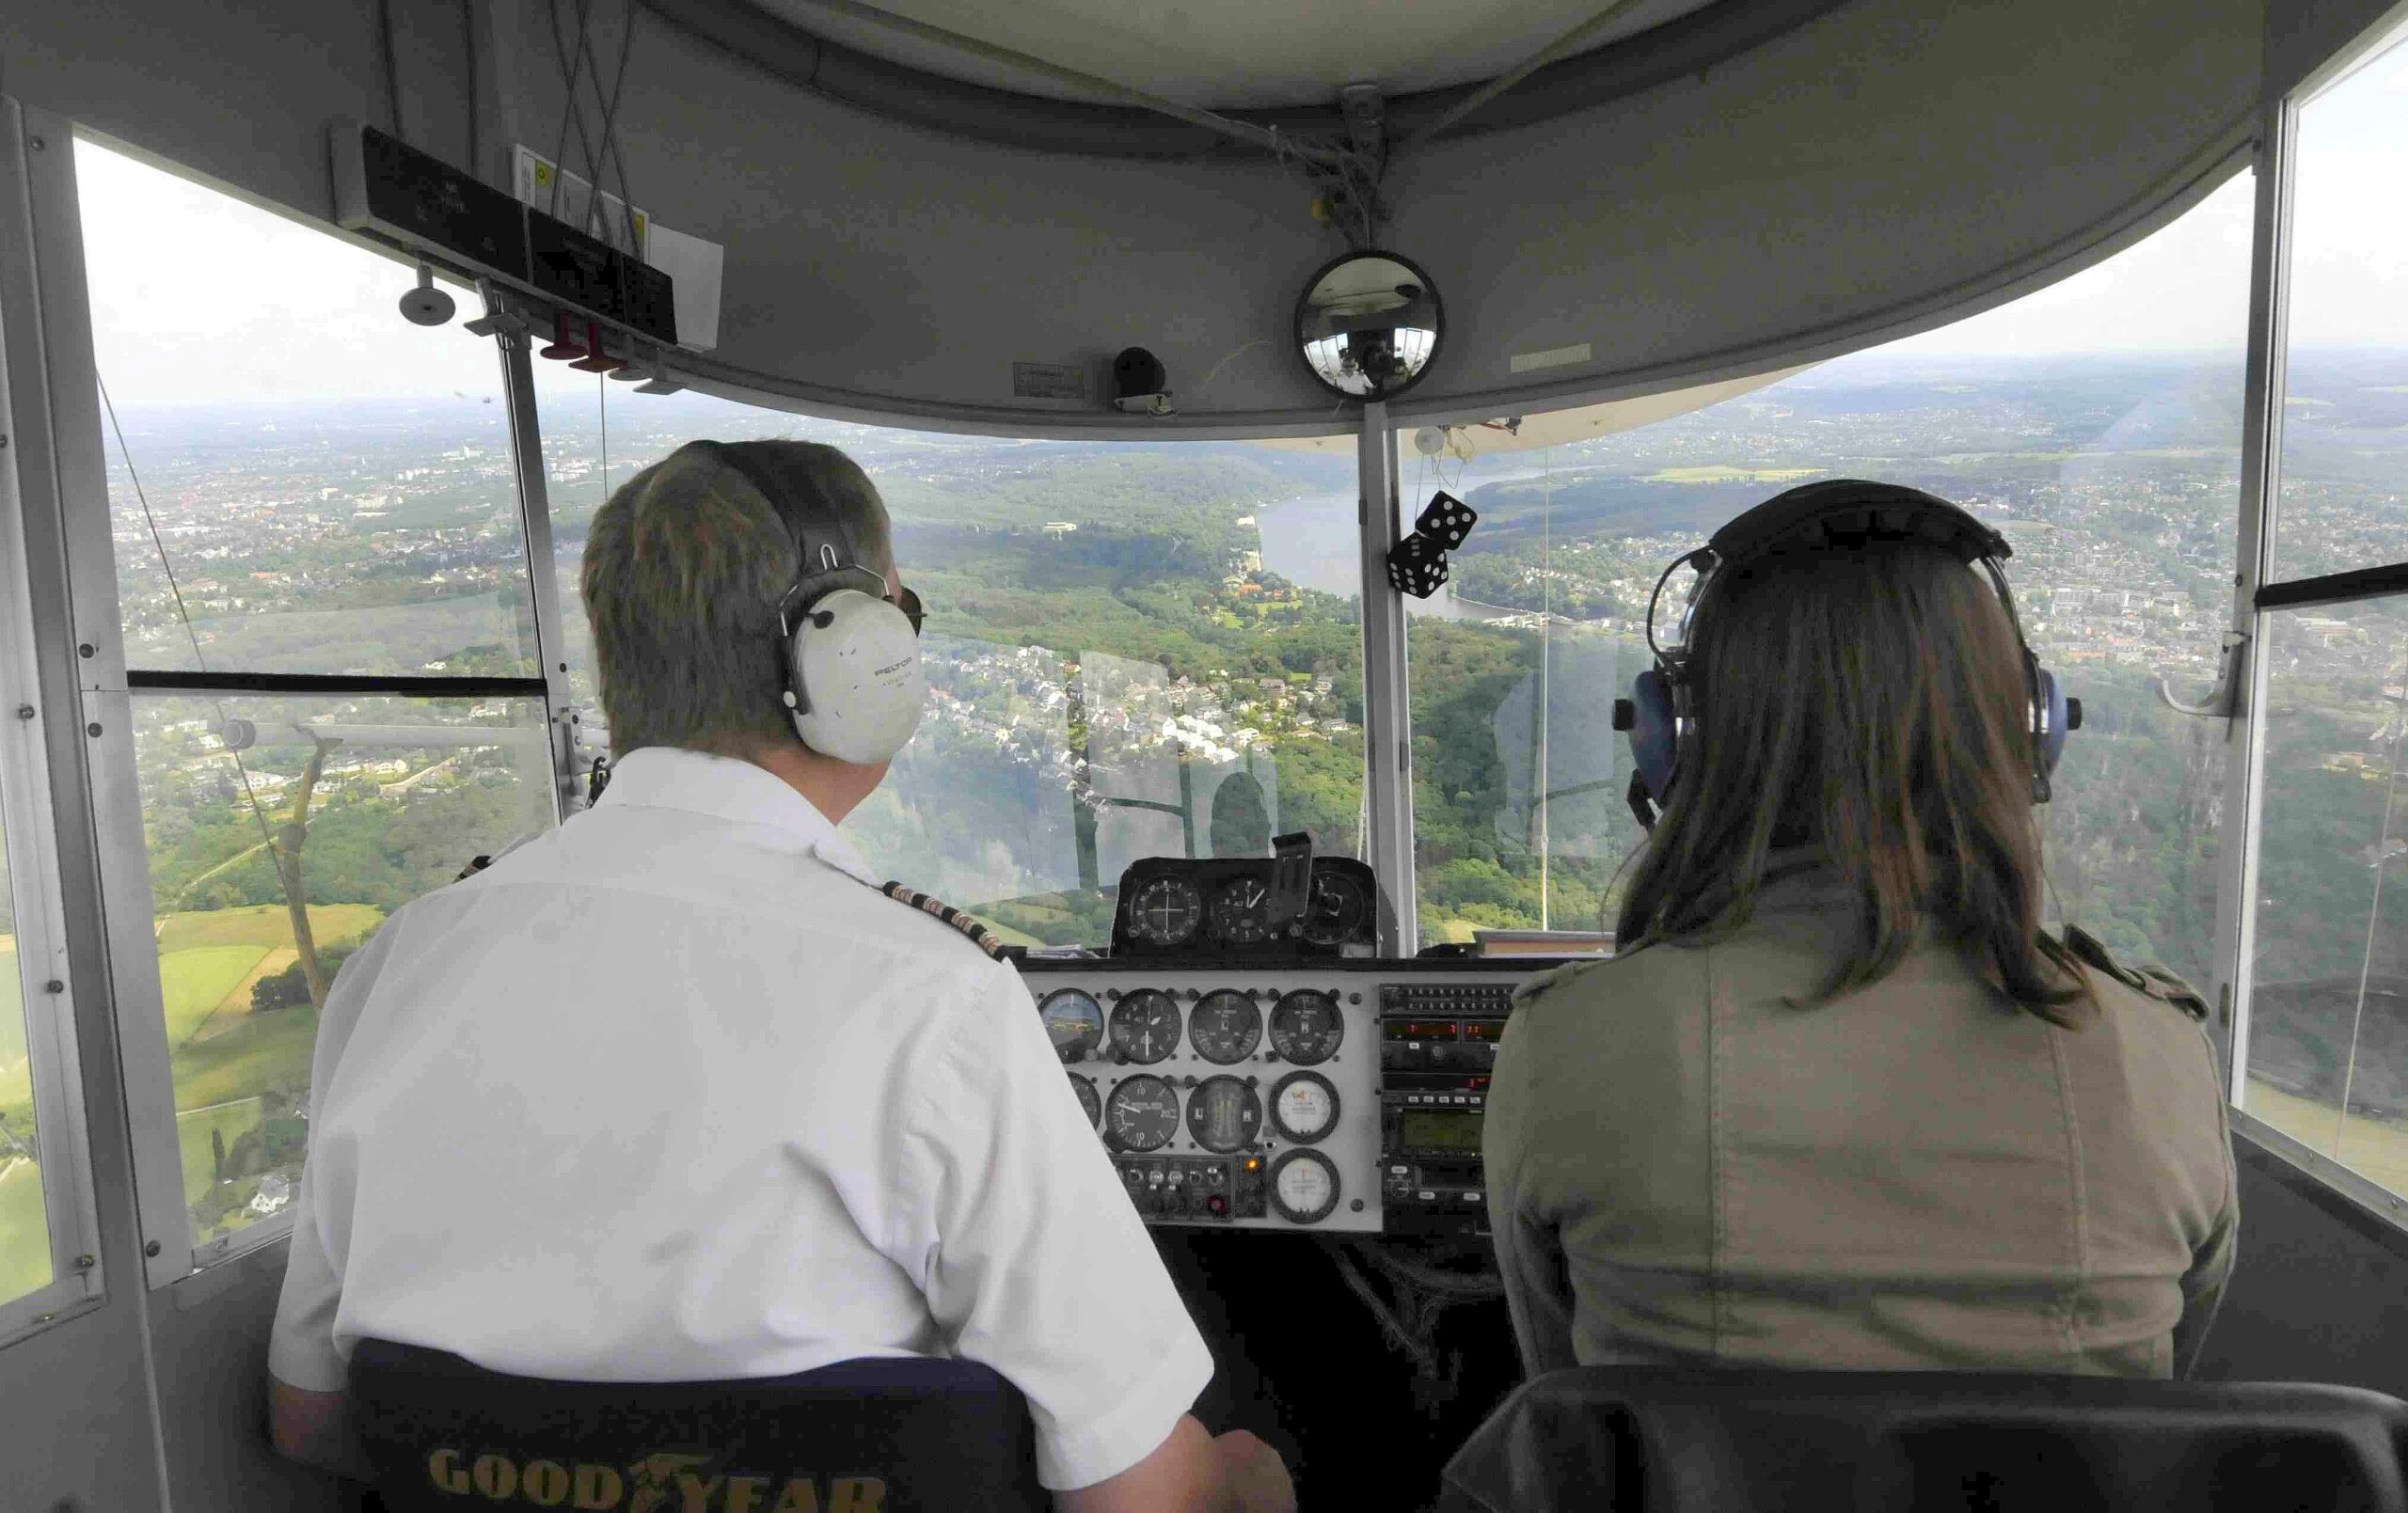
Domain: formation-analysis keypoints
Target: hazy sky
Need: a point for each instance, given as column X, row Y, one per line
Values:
column 199, row 296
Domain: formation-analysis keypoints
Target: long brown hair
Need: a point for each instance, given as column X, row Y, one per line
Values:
column 1868, row 704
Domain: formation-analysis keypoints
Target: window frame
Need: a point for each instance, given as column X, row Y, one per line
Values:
column 28, row 811
column 2256, row 600
column 109, row 691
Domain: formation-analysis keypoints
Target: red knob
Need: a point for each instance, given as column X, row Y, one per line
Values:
column 1217, row 1204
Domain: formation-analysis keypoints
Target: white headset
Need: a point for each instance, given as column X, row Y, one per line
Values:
column 854, row 686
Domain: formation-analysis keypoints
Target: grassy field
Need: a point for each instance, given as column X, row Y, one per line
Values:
column 192, row 1137
column 223, row 1055
column 2374, row 1148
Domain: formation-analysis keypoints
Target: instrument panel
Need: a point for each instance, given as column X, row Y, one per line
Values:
column 1174, row 908
column 1253, row 1097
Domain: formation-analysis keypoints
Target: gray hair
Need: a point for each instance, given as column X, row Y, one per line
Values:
column 684, row 569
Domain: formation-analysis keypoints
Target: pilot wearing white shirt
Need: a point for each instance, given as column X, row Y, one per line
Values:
column 678, row 1092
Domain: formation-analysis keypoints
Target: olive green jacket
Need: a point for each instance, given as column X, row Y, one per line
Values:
column 1917, row 1175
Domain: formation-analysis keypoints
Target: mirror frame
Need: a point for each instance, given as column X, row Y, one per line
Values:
column 1304, row 305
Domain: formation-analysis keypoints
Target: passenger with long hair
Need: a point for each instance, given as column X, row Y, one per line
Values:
column 1838, row 1101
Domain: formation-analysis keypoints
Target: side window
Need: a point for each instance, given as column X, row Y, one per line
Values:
column 2326, row 1052
column 1132, row 648
column 2097, row 422
column 317, row 540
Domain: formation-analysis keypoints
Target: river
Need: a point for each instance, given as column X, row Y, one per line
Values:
column 1312, row 540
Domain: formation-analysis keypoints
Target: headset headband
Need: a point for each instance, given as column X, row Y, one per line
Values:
column 1846, row 510
column 1837, row 514
column 1841, row 511
column 827, row 548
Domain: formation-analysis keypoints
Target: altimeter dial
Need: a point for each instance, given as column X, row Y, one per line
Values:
column 1141, row 1114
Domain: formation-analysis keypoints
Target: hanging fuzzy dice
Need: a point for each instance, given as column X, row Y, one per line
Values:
column 1448, row 520
column 1417, row 564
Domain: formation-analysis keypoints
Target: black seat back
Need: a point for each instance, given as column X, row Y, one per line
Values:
column 866, row 1436
column 1670, row 1440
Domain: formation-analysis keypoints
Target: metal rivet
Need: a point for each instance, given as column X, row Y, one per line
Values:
column 53, row 986
column 39, row 143
column 3, row 441
column 84, row 650
column 93, row 729
column 151, row 1249
column 85, row 1263
column 24, row 711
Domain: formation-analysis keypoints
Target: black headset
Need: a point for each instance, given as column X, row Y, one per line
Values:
column 851, row 655
column 1835, row 514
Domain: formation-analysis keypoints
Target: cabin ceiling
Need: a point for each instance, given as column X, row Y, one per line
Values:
column 1229, row 54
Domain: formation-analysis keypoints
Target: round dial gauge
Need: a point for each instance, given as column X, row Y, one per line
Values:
column 1142, row 1113
column 1074, row 1022
column 1223, row 1114
column 1238, row 912
column 1165, row 912
column 1338, row 910
column 1304, row 1107
column 1225, row 1028
column 1307, row 1028
column 1089, row 1100
column 1145, row 1026
column 1304, row 1187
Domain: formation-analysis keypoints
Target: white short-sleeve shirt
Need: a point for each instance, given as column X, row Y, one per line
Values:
column 669, row 1095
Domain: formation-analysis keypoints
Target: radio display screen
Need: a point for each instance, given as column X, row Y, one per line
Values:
column 1428, row 1130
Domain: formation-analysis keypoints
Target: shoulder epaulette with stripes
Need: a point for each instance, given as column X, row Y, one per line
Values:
column 975, row 932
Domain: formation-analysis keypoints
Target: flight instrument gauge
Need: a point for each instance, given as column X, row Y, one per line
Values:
column 1142, row 1113
column 1304, row 1187
column 1225, row 1028
column 1304, row 1107
column 1145, row 1026
column 1165, row 912
column 1307, row 1028
column 1224, row 1115
column 1074, row 1021
column 1090, row 1101
column 1338, row 910
column 1240, row 912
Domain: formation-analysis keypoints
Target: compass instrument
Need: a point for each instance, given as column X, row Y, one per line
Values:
column 1165, row 912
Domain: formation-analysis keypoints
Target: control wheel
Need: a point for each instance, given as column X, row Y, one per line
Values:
column 1304, row 1187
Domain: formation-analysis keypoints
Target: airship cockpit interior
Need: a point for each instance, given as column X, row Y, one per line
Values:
column 863, row 756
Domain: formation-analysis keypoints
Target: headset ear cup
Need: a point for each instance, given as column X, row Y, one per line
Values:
column 1654, row 731
column 2052, row 739
column 858, row 675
